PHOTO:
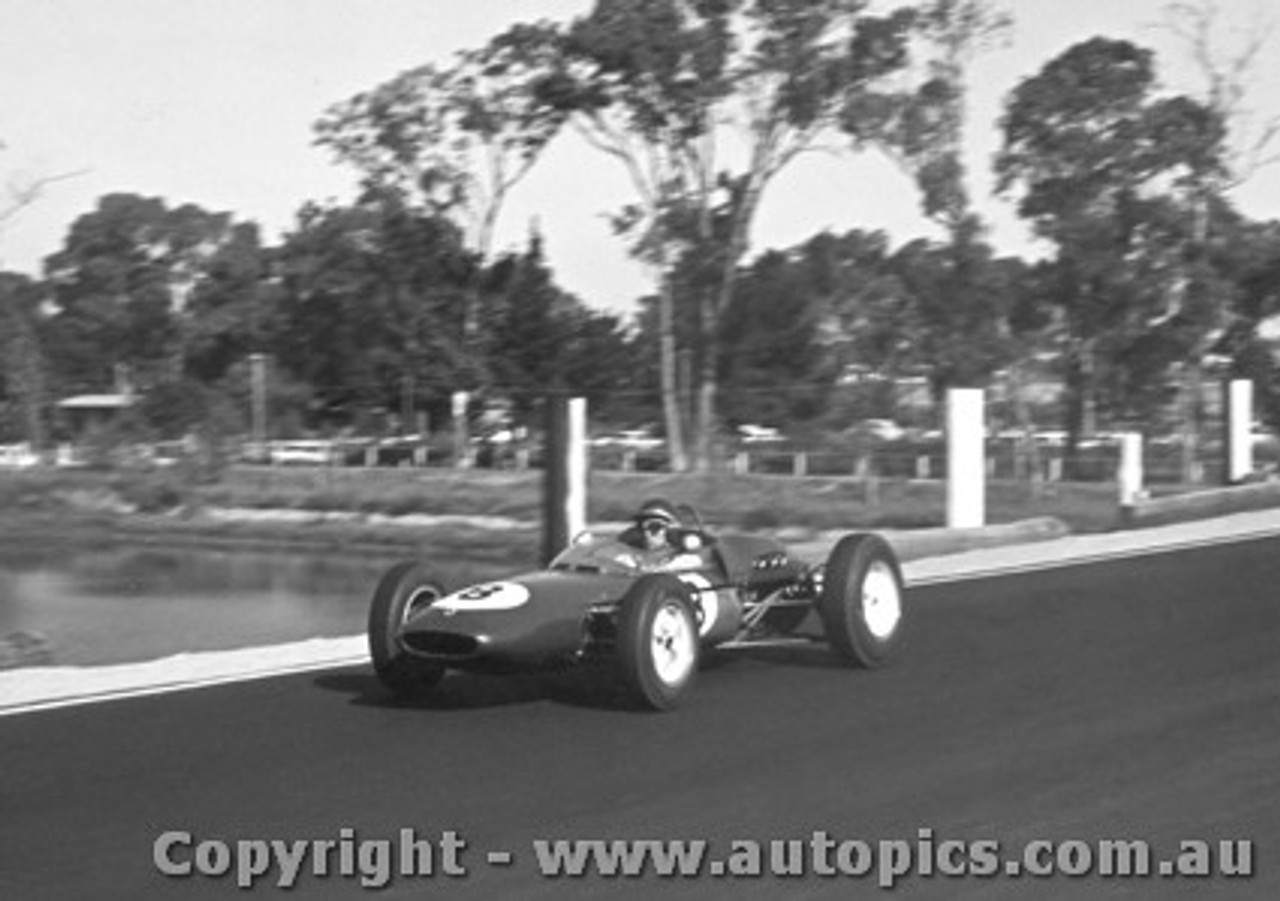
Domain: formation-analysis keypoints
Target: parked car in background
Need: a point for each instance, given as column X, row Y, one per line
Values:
column 18, row 456
column 629, row 439
column 878, row 430
column 760, row 434
column 401, row 450
column 355, row 450
column 314, row 452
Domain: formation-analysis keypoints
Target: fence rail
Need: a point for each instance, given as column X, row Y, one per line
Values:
column 1097, row 461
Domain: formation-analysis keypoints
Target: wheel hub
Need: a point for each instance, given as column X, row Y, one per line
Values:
column 881, row 600
column 673, row 644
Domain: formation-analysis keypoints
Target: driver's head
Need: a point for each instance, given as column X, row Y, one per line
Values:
column 655, row 520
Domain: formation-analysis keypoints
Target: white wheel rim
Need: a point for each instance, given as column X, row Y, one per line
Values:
column 421, row 598
column 672, row 644
column 881, row 600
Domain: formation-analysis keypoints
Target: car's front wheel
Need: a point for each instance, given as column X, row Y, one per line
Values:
column 861, row 604
column 658, row 641
column 404, row 590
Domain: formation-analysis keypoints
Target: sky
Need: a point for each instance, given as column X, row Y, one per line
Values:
column 212, row 102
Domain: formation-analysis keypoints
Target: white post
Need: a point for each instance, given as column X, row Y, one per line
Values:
column 564, row 493
column 460, row 401
column 1239, row 430
column 966, row 470
column 1130, row 475
column 575, row 513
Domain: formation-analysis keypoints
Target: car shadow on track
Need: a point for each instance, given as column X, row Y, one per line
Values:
column 809, row 656
column 584, row 687
column 593, row 686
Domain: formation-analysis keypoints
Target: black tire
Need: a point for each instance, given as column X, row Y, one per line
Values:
column 862, row 600
column 404, row 589
column 658, row 645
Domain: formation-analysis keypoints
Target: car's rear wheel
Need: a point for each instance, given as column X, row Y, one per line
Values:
column 405, row 589
column 861, row 604
column 658, row 641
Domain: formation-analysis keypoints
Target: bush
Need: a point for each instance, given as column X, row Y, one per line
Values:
column 152, row 492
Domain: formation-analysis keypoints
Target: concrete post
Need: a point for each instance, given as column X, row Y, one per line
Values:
column 565, row 478
column 1130, row 474
column 258, row 405
column 460, row 401
column 1239, row 428
column 966, row 469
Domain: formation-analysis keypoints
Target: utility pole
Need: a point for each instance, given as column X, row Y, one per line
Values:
column 406, row 403
column 258, row 392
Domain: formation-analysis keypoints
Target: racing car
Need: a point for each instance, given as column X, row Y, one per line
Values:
column 597, row 601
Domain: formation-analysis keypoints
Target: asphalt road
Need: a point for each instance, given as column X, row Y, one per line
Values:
column 1138, row 699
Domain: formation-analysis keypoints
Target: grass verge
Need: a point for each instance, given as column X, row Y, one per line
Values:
column 167, row 504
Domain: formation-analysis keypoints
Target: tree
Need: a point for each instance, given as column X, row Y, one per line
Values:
column 955, row 289
column 452, row 142
column 22, row 366
column 638, row 81
column 373, row 296
column 23, row 375
column 773, row 368
column 120, row 288
column 960, row 299
column 233, row 308
column 1246, row 255
column 1229, row 75
column 1096, row 156
column 924, row 131
column 540, row 336
column 673, row 90
column 22, row 194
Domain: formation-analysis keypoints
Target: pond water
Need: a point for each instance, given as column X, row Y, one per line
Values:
column 127, row 605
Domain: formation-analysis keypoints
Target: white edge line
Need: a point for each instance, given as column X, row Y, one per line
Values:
column 1010, row 569
column 178, row 684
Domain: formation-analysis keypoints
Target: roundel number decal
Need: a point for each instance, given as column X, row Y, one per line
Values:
column 479, row 592
column 705, row 601
column 488, row 596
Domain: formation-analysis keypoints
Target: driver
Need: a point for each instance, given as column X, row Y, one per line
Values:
column 656, row 532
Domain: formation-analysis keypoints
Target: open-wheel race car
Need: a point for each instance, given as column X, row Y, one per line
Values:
column 598, row 601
